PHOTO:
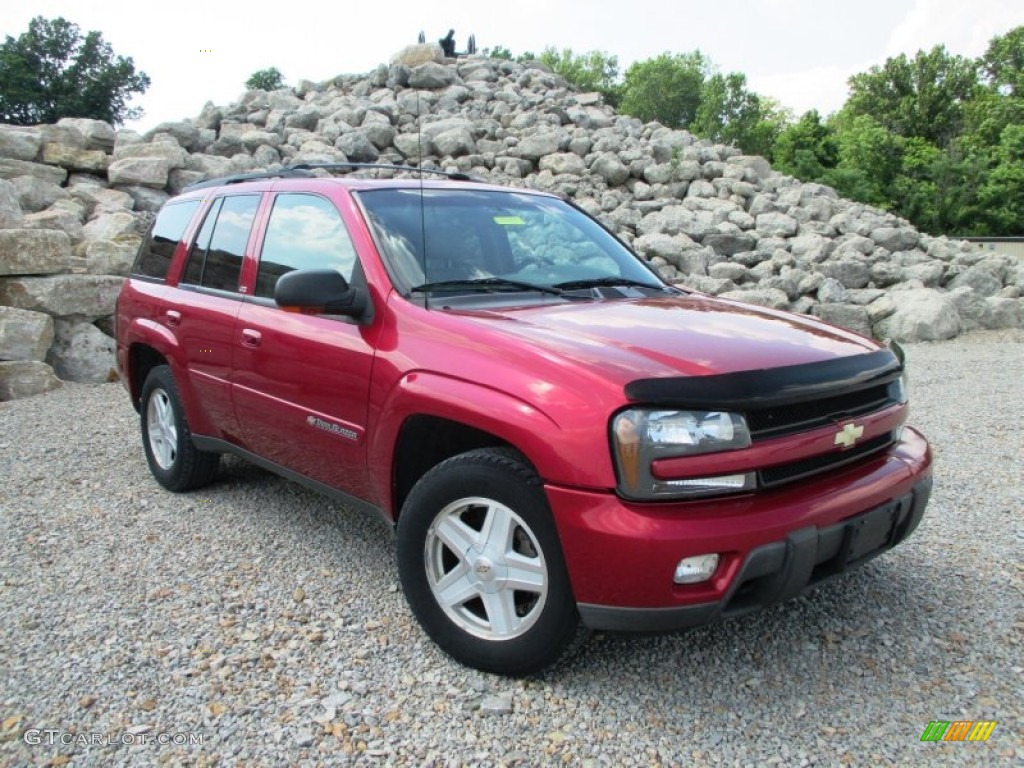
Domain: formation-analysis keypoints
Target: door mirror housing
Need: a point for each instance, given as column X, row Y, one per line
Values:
column 320, row 291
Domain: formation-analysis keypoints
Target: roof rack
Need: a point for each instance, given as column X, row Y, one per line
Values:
column 305, row 171
column 453, row 175
column 238, row 178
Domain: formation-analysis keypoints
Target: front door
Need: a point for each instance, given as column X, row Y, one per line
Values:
column 301, row 382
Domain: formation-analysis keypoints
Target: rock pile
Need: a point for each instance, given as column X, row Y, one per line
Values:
column 76, row 197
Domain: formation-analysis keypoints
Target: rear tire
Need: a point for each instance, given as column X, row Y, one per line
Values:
column 482, row 567
column 174, row 461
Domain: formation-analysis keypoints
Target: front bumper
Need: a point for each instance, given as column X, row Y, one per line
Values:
column 772, row 545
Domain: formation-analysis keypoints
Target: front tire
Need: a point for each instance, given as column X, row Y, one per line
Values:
column 481, row 565
column 174, row 461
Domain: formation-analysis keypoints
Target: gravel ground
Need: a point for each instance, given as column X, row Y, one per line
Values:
column 266, row 622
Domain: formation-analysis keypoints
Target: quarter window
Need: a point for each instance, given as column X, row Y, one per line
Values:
column 154, row 257
column 304, row 232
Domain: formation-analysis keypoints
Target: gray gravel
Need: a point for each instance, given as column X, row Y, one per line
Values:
column 266, row 621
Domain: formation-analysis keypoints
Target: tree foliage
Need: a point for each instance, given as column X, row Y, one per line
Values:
column 667, row 88
column 53, row 71
column 935, row 137
column 922, row 96
column 729, row 113
column 269, row 79
column 590, row 71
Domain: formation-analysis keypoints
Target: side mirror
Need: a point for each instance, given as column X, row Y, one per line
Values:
column 319, row 291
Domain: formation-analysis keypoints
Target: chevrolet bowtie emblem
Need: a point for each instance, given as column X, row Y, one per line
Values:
column 849, row 435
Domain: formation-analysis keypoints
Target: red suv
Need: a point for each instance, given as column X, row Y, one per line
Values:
column 563, row 441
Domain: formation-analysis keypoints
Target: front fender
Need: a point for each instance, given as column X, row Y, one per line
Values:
column 562, row 454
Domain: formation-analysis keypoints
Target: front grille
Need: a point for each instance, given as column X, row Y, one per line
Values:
column 785, row 473
column 797, row 417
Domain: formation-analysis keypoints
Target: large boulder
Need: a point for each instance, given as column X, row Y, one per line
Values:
column 82, row 352
column 20, row 142
column 147, row 171
column 417, row 55
column 78, row 297
column 11, row 167
column 922, row 314
column 96, row 133
column 431, row 76
column 24, row 335
column 112, row 257
column 34, row 251
column 26, row 378
column 10, row 205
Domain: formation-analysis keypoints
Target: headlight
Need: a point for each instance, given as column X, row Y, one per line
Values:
column 640, row 436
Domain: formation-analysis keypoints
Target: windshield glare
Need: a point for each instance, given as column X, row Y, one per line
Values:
column 436, row 236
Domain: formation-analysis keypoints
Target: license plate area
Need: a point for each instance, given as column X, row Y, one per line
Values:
column 871, row 532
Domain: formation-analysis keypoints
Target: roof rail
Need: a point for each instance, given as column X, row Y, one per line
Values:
column 305, row 171
column 453, row 175
column 238, row 178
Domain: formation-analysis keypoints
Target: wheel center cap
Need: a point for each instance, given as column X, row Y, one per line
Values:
column 484, row 569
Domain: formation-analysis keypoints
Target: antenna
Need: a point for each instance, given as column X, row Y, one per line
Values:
column 423, row 215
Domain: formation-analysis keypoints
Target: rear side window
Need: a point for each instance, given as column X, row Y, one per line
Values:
column 154, row 257
column 215, row 260
column 304, row 232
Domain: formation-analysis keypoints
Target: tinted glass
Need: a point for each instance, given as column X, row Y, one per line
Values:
column 304, row 232
column 197, row 254
column 154, row 258
column 227, row 247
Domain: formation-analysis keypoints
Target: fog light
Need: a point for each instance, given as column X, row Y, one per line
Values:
column 692, row 570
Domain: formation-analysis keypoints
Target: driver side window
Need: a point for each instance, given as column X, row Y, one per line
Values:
column 304, row 232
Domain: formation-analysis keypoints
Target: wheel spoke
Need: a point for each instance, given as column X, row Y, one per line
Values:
column 501, row 611
column 454, row 588
column 525, row 574
column 456, row 535
column 496, row 534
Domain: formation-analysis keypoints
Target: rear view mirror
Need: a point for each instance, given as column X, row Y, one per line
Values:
column 319, row 291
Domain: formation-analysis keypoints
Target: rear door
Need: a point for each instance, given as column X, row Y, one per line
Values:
column 301, row 382
column 206, row 305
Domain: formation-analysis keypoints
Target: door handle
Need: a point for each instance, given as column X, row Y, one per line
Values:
column 173, row 317
column 251, row 338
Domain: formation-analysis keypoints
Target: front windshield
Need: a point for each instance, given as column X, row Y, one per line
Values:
column 462, row 240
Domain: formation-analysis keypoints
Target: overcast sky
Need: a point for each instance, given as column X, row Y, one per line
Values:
column 800, row 52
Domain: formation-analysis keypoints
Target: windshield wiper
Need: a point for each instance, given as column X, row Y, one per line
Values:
column 601, row 282
column 485, row 284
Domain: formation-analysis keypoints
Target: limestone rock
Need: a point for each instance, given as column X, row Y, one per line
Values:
column 75, row 159
column 82, row 352
column 416, row 55
column 97, row 134
column 24, row 335
column 979, row 279
column 20, row 142
column 26, row 378
column 33, row 252
column 10, row 168
column 431, row 75
column 922, row 314
column 112, row 257
column 852, row 318
column 1006, row 313
column 10, row 205
column 82, row 297
column 147, row 171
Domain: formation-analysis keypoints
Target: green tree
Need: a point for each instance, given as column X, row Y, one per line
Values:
column 53, row 71
column 269, row 79
column 731, row 114
column 807, row 148
column 590, row 71
column 1002, row 65
column 666, row 88
column 923, row 96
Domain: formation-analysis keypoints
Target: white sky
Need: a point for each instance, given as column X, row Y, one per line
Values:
column 800, row 52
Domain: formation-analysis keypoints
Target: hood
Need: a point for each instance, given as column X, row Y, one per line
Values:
column 693, row 335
